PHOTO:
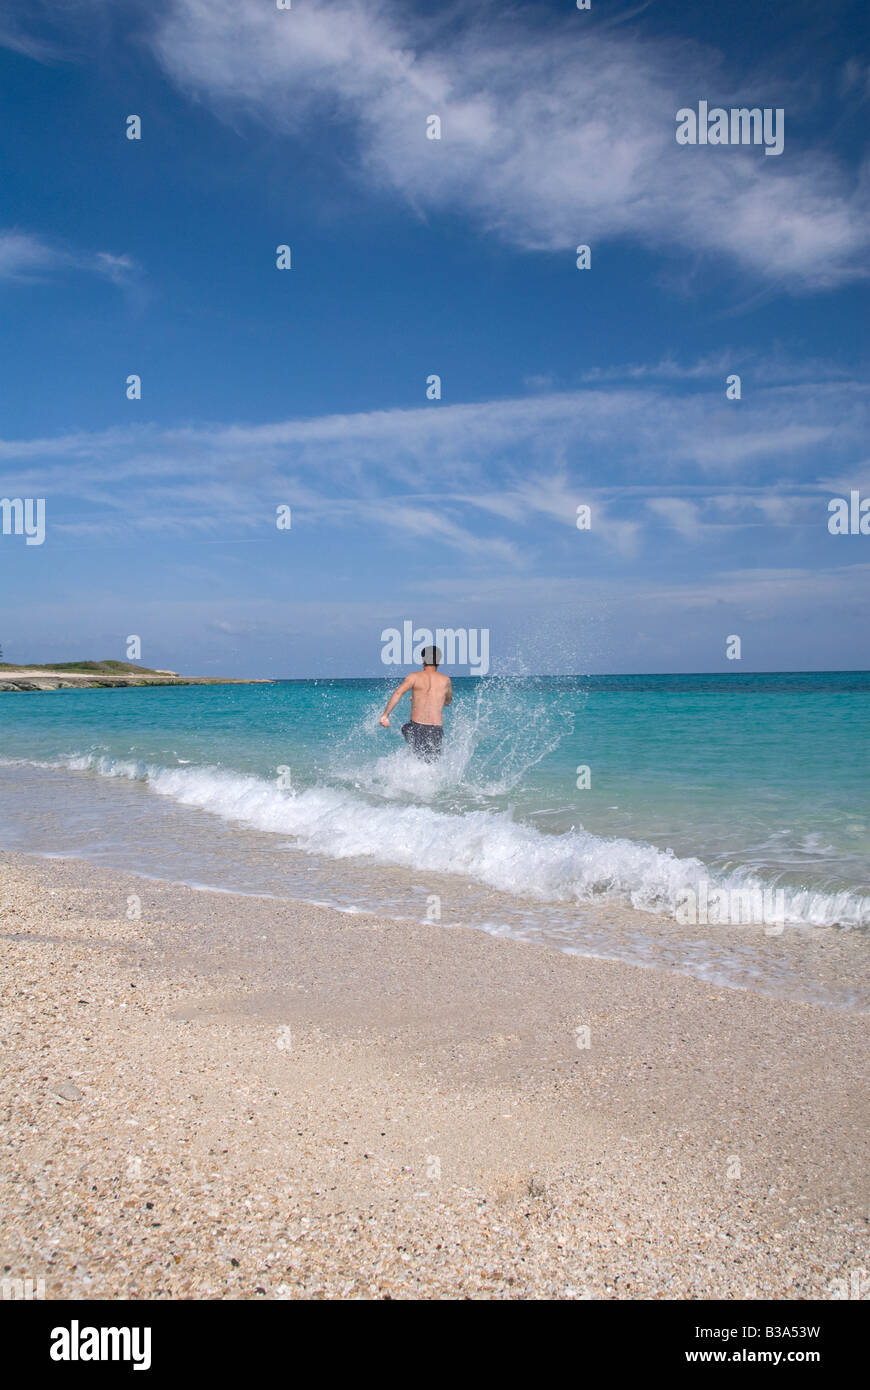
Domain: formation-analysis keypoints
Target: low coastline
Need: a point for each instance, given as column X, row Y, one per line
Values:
column 233, row 1097
column 33, row 678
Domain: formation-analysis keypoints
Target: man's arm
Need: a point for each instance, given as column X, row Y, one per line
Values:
column 448, row 698
column 394, row 699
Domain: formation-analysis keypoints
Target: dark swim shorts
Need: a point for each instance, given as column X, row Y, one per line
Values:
column 425, row 739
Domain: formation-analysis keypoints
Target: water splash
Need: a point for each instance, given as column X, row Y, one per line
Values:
column 491, row 741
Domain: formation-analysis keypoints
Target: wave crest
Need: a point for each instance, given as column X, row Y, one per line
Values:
column 487, row 846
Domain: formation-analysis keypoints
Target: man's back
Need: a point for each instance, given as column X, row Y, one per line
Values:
column 430, row 692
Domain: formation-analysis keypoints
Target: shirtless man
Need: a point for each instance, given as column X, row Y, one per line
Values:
column 430, row 692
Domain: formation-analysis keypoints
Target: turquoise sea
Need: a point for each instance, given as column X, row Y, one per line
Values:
column 294, row 789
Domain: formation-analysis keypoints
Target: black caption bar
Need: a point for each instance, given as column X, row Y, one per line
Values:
column 144, row 1339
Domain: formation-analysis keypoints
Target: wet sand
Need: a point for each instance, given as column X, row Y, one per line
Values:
column 239, row 1097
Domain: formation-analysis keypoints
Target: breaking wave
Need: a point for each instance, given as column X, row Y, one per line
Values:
column 491, row 847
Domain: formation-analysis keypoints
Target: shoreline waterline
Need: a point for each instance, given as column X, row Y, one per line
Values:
column 657, row 820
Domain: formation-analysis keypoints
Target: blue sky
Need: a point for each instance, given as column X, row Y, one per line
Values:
column 307, row 387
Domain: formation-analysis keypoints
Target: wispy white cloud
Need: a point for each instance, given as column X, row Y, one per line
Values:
column 766, row 593
column 488, row 479
column 773, row 442
column 780, row 425
column 666, row 369
column 770, row 368
column 680, row 513
column 26, row 256
column 13, row 37
column 855, row 79
column 118, row 269
column 552, row 133
column 776, row 591
column 60, row 31
column 556, row 497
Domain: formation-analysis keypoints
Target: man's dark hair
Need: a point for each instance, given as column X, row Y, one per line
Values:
column 431, row 656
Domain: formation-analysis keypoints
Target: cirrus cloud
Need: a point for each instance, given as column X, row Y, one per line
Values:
column 551, row 133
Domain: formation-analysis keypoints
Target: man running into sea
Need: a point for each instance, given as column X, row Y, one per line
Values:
column 430, row 692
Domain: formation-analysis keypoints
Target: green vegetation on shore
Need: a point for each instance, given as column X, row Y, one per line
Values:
column 97, row 675
column 100, row 668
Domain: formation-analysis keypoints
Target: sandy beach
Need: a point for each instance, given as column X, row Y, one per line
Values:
column 237, row 1097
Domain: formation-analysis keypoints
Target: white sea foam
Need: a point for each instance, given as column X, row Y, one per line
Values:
column 490, row 847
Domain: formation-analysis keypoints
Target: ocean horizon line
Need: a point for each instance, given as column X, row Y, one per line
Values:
column 597, row 675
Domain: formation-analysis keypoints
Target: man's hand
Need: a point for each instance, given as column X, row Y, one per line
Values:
column 385, row 721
